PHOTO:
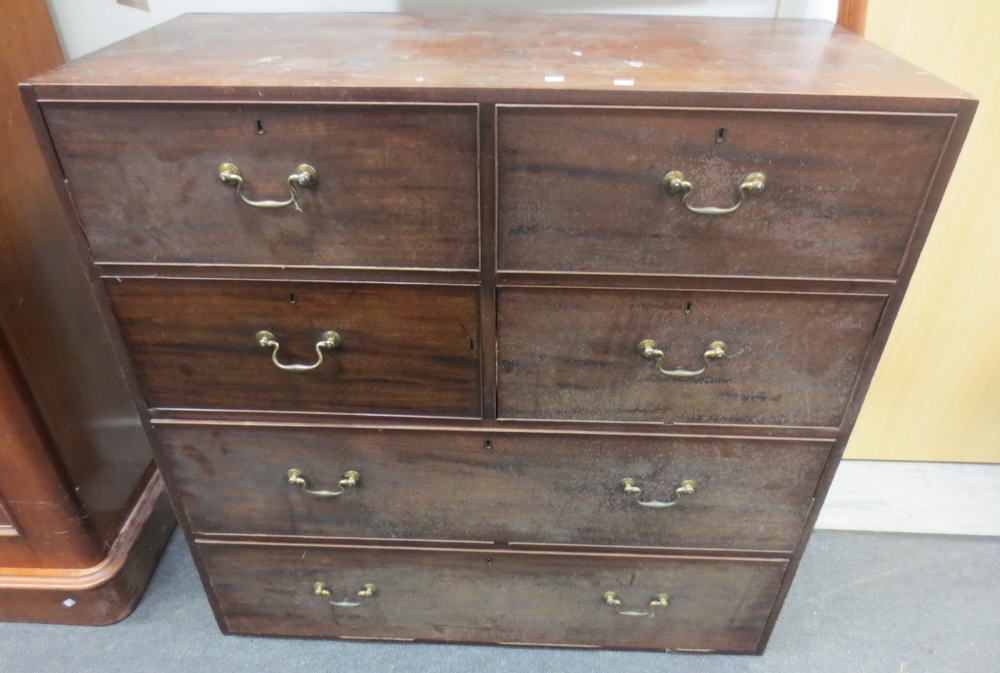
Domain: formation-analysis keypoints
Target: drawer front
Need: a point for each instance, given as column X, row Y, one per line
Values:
column 493, row 597
column 751, row 494
column 790, row 359
column 404, row 349
column 582, row 190
column 397, row 185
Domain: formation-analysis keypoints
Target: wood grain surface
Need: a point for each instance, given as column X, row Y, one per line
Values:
column 52, row 522
column 494, row 596
column 572, row 354
column 575, row 265
column 397, row 184
column 510, row 488
column 407, row 349
column 52, row 324
column 488, row 53
column 929, row 401
column 582, row 190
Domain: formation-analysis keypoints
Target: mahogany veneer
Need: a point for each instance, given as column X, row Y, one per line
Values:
column 398, row 182
column 83, row 517
column 571, row 354
column 489, row 455
column 516, row 598
column 598, row 206
column 520, row 488
column 406, row 349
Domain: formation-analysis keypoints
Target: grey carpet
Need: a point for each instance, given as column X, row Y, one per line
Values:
column 862, row 602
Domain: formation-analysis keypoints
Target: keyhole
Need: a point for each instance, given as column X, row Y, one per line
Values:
column 260, row 127
column 291, row 297
column 720, row 135
column 688, row 307
column 488, row 444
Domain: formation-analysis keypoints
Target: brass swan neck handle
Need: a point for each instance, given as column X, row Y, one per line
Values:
column 296, row 478
column 304, row 176
column 367, row 591
column 328, row 339
column 716, row 351
column 751, row 185
column 686, row 487
column 658, row 601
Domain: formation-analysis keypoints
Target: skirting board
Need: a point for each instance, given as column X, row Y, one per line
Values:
column 904, row 497
column 109, row 591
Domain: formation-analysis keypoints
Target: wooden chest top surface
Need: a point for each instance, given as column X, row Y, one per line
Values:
column 544, row 52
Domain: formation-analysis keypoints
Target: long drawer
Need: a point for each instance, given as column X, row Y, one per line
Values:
column 504, row 597
column 395, row 349
column 681, row 356
column 748, row 494
column 395, row 185
column 582, row 189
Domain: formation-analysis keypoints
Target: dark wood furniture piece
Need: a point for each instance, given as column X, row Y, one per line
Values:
column 83, row 516
column 496, row 372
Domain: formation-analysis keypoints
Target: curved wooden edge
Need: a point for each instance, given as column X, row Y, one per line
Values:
column 102, row 594
column 851, row 14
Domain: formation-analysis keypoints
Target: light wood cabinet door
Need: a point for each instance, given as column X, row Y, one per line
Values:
column 937, row 390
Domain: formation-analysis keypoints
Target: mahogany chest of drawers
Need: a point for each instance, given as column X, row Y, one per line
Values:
column 541, row 330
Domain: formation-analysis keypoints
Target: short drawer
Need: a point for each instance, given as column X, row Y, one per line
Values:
column 582, row 189
column 522, row 489
column 786, row 359
column 520, row 598
column 399, row 349
column 396, row 185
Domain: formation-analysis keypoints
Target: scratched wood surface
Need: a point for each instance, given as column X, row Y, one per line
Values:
column 406, row 349
column 477, row 486
column 542, row 52
column 396, row 184
column 805, row 316
column 494, row 596
column 572, row 354
column 582, row 190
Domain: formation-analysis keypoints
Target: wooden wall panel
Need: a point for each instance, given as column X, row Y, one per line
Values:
column 936, row 395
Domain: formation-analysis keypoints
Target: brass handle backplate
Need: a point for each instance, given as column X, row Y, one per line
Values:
column 304, row 176
column 751, row 185
column 716, row 350
column 367, row 591
column 686, row 487
column 350, row 480
column 328, row 340
column 658, row 601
